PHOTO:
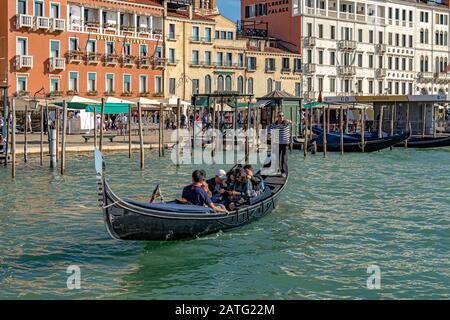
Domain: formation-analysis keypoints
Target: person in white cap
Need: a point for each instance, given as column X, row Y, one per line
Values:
column 217, row 185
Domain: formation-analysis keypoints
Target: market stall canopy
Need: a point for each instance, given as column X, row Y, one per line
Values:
column 77, row 102
column 146, row 102
column 172, row 101
column 112, row 106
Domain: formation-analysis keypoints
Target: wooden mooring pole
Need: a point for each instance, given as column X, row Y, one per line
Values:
column 341, row 129
column 141, row 136
column 363, row 128
column 25, row 136
column 178, row 130
column 324, row 131
column 42, row 137
column 129, row 131
column 95, row 126
column 161, row 128
column 63, row 138
column 13, row 138
column 57, row 127
column 102, row 123
column 305, row 130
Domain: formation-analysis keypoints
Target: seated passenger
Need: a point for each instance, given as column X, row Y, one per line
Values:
column 256, row 180
column 242, row 188
column 196, row 194
column 217, row 186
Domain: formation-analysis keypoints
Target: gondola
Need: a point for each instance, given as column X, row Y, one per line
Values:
column 352, row 144
column 427, row 142
column 131, row 220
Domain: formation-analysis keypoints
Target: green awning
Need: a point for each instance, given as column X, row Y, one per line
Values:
column 315, row 104
column 110, row 108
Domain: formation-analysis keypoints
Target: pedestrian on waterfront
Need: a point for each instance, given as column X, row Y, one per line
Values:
column 283, row 127
column 2, row 123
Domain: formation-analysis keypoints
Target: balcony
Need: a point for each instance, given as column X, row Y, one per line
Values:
column 41, row 23
column 347, row 45
column 75, row 56
column 144, row 62
column 310, row 41
column 425, row 76
column 346, row 71
column 57, row 64
column 286, row 70
column 270, row 70
column 442, row 78
column 380, row 49
column 380, row 73
column 24, row 62
column 57, row 25
column 127, row 61
column 24, row 21
column 309, row 68
column 175, row 62
column 92, row 58
column 111, row 59
column 109, row 93
column 159, row 63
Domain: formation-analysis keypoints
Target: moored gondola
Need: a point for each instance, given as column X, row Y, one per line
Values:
column 352, row 144
column 131, row 220
column 427, row 142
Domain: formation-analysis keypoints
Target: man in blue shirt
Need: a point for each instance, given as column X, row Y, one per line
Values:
column 196, row 194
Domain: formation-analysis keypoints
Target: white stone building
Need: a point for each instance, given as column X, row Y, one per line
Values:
column 374, row 47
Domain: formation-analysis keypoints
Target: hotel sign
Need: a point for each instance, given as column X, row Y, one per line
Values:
column 114, row 38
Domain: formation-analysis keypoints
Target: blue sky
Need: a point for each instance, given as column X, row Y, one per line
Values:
column 230, row 9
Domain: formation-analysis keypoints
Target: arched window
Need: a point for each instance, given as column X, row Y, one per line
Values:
column 228, row 83
column 437, row 65
column 208, row 84
column 426, row 64
column 269, row 86
column 250, row 86
column 240, row 85
column 220, row 83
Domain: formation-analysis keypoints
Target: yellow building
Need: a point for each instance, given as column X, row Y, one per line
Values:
column 205, row 54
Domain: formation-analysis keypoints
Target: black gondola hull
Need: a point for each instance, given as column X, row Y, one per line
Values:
column 369, row 146
column 126, row 221
column 427, row 142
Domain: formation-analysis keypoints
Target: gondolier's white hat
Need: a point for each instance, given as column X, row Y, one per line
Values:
column 221, row 174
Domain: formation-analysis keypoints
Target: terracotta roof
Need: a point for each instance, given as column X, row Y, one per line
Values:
column 278, row 94
column 269, row 49
column 147, row 2
column 185, row 15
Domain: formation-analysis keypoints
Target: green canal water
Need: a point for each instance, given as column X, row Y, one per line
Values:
column 338, row 216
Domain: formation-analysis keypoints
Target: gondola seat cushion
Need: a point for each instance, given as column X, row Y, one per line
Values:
column 172, row 207
column 266, row 194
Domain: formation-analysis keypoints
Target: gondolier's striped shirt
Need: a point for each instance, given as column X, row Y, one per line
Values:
column 283, row 132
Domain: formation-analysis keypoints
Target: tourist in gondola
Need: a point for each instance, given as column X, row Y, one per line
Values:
column 195, row 193
column 217, row 186
column 256, row 180
column 283, row 127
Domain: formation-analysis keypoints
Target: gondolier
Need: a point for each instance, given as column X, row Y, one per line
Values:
column 283, row 127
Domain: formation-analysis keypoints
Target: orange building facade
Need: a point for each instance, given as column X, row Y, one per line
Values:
column 91, row 48
column 276, row 17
